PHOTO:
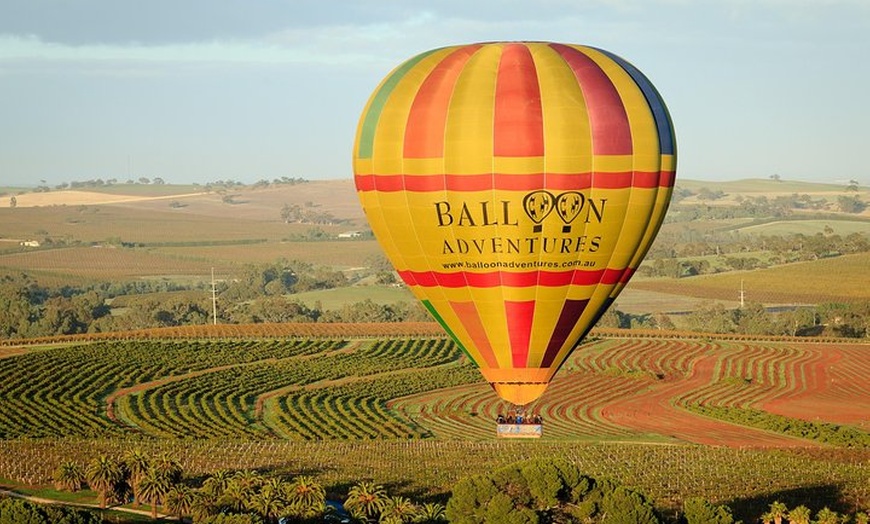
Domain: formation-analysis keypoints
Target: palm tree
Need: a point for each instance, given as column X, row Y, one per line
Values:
column 179, row 501
column 799, row 515
column 778, row 511
column 431, row 513
column 305, row 496
column 204, row 505
column 269, row 503
column 102, row 474
column 153, row 488
column 366, row 500
column 398, row 510
column 217, row 482
column 69, row 476
column 827, row 516
column 170, row 467
column 862, row 518
column 248, row 478
column 235, row 496
column 137, row 464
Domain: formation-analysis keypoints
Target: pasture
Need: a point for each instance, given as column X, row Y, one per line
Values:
column 807, row 227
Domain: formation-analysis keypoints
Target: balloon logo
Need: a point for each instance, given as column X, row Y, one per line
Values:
column 515, row 187
column 538, row 205
column 568, row 205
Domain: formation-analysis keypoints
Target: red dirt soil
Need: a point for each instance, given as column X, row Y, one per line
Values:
column 653, row 411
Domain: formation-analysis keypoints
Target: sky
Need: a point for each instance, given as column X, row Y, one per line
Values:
column 196, row 91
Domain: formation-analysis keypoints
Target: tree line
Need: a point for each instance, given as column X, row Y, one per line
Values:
column 264, row 294
column 536, row 491
column 257, row 293
column 847, row 320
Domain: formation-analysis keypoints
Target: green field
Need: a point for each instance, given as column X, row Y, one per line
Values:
column 335, row 298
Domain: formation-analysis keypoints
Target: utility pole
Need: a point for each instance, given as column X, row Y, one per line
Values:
column 213, row 299
column 742, row 295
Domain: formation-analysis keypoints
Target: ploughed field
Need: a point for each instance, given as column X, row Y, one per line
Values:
column 297, row 400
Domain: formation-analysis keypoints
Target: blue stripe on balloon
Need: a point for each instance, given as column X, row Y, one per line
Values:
column 656, row 104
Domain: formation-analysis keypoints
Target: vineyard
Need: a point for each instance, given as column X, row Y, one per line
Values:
column 672, row 416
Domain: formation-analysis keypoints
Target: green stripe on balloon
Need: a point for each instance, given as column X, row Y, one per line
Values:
column 370, row 124
column 434, row 313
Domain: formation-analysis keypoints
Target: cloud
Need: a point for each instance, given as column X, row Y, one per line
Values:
column 20, row 49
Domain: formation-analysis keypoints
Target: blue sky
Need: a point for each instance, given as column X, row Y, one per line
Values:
column 204, row 90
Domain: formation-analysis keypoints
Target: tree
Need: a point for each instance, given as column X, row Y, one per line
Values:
column 851, row 204
column 306, row 497
column 753, row 319
column 827, row 516
column 799, row 515
column 398, row 510
column 18, row 511
column 777, row 512
column 103, row 473
column 204, row 505
column 235, row 496
column 153, row 487
column 366, row 501
column 700, row 511
column 625, row 506
column 179, row 501
column 217, row 482
column 712, row 318
column 138, row 465
column 248, row 479
column 542, row 490
column 431, row 513
column 168, row 466
column 269, row 502
column 69, row 476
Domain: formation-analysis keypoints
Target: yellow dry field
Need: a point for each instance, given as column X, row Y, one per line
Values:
column 87, row 198
column 839, row 279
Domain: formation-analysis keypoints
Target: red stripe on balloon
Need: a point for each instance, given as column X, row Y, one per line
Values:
column 461, row 279
column 611, row 132
column 470, row 318
column 507, row 182
column 519, row 319
column 518, row 122
column 424, row 134
column 646, row 180
column 626, row 275
column 568, row 317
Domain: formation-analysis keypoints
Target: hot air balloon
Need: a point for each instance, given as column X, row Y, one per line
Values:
column 515, row 187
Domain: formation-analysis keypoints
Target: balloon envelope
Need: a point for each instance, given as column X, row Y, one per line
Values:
column 515, row 187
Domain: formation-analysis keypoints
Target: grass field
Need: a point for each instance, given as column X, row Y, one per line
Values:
column 336, row 298
column 809, row 227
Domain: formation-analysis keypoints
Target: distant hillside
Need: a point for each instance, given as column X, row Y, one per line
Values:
column 762, row 186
